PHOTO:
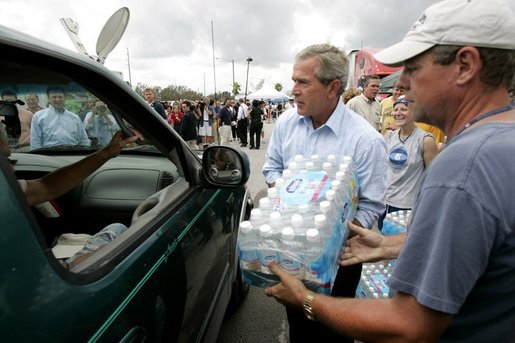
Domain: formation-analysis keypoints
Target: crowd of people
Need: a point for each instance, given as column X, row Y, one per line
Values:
column 205, row 122
column 455, row 270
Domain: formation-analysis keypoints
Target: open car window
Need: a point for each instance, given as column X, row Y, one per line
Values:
column 63, row 116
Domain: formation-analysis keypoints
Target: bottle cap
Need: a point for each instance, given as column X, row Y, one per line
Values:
column 313, row 235
column 245, row 227
column 255, row 214
column 298, row 158
column 304, row 208
column 335, row 185
column 325, row 206
column 264, row 203
column 320, row 220
column 287, row 173
column 347, row 159
column 310, row 165
column 293, row 165
column 265, row 230
column 279, row 182
column 287, row 234
column 297, row 220
column 343, row 167
column 331, row 158
column 272, row 192
column 275, row 217
column 327, row 166
column 340, row 176
column 315, row 158
column 330, row 194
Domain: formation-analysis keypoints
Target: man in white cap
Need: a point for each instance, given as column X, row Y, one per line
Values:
column 455, row 278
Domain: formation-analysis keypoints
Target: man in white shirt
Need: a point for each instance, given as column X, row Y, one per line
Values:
column 242, row 122
column 366, row 104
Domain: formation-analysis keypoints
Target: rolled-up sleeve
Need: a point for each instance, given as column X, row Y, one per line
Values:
column 371, row 167
column 274, row 165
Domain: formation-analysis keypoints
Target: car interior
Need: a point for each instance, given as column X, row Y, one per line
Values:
column 134, row 188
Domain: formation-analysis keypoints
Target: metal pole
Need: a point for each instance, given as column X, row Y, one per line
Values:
column 214, row 65
column 129, row 65
column 233, row 75
column 247, row 81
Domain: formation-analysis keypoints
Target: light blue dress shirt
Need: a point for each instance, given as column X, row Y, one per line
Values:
column 100, row 129
column 51, row 127
column 345, row 133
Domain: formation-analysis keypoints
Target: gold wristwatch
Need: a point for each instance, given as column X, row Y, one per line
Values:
column 307, row 308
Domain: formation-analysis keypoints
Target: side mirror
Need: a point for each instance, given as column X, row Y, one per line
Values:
column 226, row 167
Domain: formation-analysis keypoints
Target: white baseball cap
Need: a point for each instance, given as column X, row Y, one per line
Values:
column 479, row 23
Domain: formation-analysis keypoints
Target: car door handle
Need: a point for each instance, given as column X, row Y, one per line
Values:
column 137, row 334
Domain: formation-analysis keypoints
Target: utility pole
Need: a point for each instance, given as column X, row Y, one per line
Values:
column 213, row 45
column 129, row 65
column 247, row 81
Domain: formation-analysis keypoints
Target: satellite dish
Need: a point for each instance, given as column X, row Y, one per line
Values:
column 112, row 33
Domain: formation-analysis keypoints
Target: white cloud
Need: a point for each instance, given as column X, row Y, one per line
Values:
column 169, row 41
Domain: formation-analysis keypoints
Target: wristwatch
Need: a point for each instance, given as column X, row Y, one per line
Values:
column 307, row 308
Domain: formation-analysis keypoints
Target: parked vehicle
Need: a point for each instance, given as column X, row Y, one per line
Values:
column 362, row 63
column 171, row 276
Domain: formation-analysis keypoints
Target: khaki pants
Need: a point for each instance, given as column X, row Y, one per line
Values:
column 225, row 134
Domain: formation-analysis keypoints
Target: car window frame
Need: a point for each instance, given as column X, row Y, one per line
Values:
column 74, row 70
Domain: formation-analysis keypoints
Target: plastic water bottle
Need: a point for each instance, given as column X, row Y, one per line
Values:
column 309, row 165
column 290, row 248
column 317, row 162
column 313, row 255
column 247, row 244
column 299, row 159
column 256, row 217
column 287, row 174
column 275, row 201
column 294, row 167
column 275, row 221
column 267, row 248
column 265, row 206
column 279, row 183
column 329, row 169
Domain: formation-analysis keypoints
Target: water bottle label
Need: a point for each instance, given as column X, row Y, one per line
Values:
column 267, row 256
column 307, row 186
column 291, row 265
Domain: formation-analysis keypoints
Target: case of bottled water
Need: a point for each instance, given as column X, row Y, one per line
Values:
column 374, row 276
column 302, row 223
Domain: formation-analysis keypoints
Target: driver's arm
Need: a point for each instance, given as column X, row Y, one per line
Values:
column 64, row 179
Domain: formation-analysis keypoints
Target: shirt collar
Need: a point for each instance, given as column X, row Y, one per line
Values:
column 56, row 110
column 334, row 123
column 367, row 99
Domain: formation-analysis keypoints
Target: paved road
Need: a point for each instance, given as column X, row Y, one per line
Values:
column 259, row 319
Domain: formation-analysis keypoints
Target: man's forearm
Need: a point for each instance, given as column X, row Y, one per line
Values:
column 64, row 179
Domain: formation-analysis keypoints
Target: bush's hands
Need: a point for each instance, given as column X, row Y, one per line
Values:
column 365, row 246
column 290, row 291
column 118, row 142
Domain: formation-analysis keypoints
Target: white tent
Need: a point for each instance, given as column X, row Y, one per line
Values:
column 267, row 93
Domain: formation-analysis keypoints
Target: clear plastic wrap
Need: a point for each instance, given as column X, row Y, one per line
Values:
column 302, row 224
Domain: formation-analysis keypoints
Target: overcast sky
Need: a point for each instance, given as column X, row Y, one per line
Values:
column 170, row 41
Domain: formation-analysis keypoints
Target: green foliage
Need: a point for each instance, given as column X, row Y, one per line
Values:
column 169, row 93
column 278, row 87
column 236, row 88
